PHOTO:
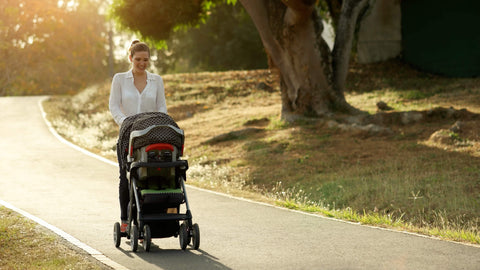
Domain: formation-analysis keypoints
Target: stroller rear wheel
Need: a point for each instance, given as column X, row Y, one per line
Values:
column 134, row 238
column 117, row 234
column 195, row 236
column 147, row 238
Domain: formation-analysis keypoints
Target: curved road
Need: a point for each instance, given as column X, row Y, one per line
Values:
column 78, row 194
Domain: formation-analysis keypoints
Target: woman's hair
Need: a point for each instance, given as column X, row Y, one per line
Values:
column 138, row 46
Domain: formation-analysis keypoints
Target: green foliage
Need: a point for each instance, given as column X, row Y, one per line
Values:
column 156, row 19
column 227, row 40
column 204, row 35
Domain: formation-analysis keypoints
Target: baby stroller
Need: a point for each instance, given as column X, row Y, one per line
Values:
column 156, row 176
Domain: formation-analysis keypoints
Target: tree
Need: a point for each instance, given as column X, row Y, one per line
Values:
column 50, row 46
column 312, row 77
column 227, row 32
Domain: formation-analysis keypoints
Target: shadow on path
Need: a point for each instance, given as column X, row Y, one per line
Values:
column 176, row 258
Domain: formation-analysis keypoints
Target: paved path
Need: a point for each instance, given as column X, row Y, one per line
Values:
column 78, row 194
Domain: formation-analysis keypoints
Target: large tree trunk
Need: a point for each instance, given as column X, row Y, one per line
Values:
column 346, row 23
column 291, row 33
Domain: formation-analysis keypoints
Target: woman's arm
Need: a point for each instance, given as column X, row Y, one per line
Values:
column 115, row 102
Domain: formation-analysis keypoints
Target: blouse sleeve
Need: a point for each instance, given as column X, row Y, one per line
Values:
column 115, row 101
column 161, row 102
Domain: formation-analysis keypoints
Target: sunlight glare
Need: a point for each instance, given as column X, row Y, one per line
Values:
column 69, row 5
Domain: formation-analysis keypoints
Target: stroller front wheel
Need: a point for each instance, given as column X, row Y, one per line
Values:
column 195, row 236
column 117, row 235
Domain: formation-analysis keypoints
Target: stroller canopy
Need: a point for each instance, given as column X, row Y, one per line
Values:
column 142, row 121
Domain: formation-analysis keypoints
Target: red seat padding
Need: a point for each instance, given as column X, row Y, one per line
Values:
column 159, row 146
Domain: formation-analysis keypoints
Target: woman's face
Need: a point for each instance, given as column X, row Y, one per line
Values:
column 140, row 61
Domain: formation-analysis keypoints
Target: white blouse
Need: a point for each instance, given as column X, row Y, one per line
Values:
column 126, row 100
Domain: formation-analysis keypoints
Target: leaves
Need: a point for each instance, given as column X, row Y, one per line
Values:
column 228, row 40
column 50, row 48
column 156, row 19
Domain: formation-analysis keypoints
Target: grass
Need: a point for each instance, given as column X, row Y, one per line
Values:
column 26, row 245
column 422, row 177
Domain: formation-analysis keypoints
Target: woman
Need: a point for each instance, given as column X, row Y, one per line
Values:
column 132, row 92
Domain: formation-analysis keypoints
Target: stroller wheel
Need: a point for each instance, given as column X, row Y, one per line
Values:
column 134, row 238
column 183, row 236
column 117, row 236
column 147, row 238
column 196, row 236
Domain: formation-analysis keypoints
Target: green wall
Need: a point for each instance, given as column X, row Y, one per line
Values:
column 441, row 36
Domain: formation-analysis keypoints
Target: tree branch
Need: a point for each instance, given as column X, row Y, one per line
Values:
column 334, row 7
column 343, row 40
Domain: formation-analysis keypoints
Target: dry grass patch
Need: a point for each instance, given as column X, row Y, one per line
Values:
column 236, row 143
column 25, row 245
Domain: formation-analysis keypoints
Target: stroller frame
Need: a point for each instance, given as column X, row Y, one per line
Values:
column 140, row 224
